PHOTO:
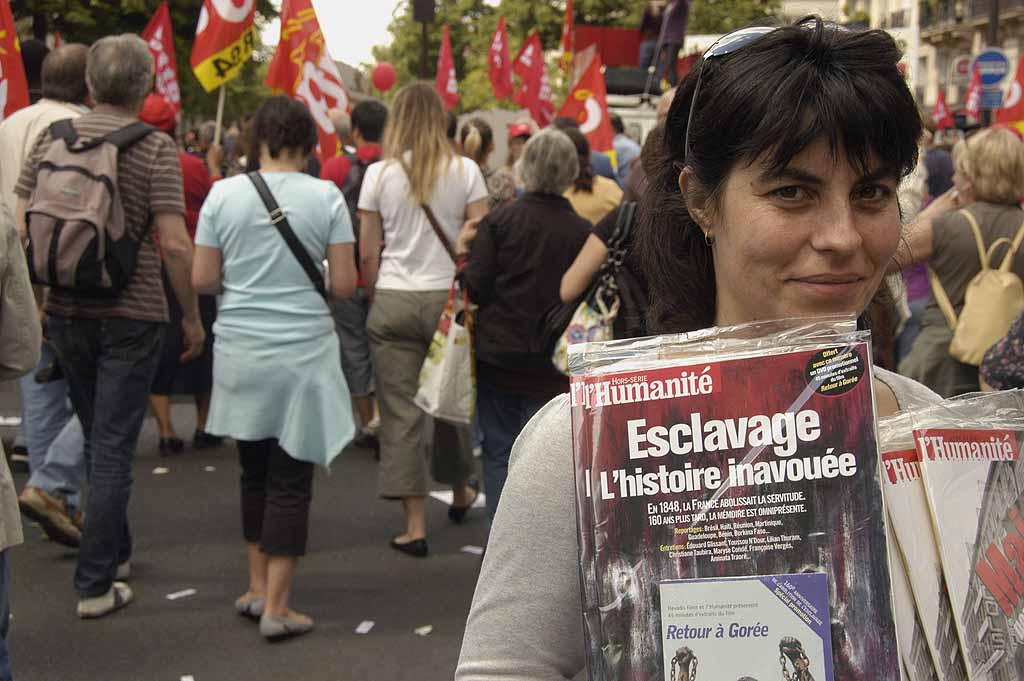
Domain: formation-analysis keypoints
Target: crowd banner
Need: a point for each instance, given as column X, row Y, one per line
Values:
column 941, row 114
column 13, row 84
column 499, row 66
column 1012, row 112
column 302, row 68
column 446, row 82
column 159, row 37
column 972, row 100
column 225, row 40
column 534, row 92
column 587, row 104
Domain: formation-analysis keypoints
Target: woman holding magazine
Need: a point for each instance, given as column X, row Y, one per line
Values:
column 772, row 195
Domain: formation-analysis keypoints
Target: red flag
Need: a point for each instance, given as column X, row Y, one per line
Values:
column 972, row 100
column 13, row 84
column 940, row 114
column 500, row 67
column 534, row 91
column 568, row 36
column 1012, row 110
column 446, row 83
column 302, row 68
column 588, row 104
column 225, row 39
column 159, row 36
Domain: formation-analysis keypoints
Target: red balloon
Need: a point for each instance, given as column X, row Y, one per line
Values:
column 383, row 76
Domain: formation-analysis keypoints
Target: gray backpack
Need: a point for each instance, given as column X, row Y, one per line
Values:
column 78, row 239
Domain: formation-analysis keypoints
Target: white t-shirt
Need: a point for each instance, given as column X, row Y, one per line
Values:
column 18, row 134
column 414, row 258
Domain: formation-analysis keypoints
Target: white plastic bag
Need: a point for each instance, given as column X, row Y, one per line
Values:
column 447, row 384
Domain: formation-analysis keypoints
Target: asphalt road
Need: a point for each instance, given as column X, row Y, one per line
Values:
column 187, row 534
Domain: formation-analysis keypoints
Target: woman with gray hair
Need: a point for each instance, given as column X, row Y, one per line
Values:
column 516, row 262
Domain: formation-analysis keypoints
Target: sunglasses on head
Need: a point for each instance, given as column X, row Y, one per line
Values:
column 729, row 43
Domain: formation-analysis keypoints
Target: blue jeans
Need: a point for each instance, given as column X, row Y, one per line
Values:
column 110, row 364
column 647, row 53
column 63, row 470
column 45, row 410
column 502, row 416
column 5, row 615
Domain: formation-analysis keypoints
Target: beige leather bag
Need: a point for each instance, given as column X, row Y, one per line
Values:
column 994, row 299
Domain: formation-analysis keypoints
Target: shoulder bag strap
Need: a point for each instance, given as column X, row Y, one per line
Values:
column 623, row 227
column 1014, row 247
column 942, row 299
column 431, row 218
column 278, row 219
column 978, row 238
column 63, row 129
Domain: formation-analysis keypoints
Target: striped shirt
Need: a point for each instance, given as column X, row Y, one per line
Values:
column 149, row 179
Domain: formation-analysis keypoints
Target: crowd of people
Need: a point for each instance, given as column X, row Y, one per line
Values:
column 785, row 198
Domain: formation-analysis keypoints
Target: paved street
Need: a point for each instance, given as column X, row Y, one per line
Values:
column 187, row 536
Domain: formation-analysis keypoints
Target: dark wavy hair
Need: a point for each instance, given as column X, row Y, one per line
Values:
column 282, row 123
column 767, row 100
column 585, row 179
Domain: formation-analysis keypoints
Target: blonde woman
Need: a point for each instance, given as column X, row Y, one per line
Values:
column 408, row 271
column 477, row 140
column 988, row 183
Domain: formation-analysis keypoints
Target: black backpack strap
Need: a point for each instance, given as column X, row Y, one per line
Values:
column 278, row 219
column 63, row 130
column 128, row 135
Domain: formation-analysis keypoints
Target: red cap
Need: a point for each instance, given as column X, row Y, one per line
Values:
column 519, row 130
column 158, row 113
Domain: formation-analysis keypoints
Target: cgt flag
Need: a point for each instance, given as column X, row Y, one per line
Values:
column 1012, row 112
column 447, row 84
column 159, row 36
column 499, row 66
column 972, row 100
column 302, row 68
column 940, row 114
column 225, row 39
column 534, row 92
column 13, row 84
column 588, row 105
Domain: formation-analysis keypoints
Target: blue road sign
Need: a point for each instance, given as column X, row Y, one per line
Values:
column 994, row 66
column 991, row 99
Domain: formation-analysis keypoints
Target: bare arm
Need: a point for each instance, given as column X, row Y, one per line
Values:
column 341, row 266
column 579, row 275
column 919, row 235
column 177, row 253
column 21, row 206
column 207, row 278
column 371, row 238
column 476, row 209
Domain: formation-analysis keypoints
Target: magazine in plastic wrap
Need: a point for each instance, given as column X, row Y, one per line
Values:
column 732, row 452
column 974, row 477
column 917, row 658
column 911, row 524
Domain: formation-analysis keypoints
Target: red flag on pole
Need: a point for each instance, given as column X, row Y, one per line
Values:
column 534, row 91
column 500, row 68
column 1012, row 110
column 588, row 105
column 13, row 84
column 447, row 84
column 159, row 36
column 303, row 69
column 940, row 114
column 568, row 36
column 225, row 40
column 972, row 100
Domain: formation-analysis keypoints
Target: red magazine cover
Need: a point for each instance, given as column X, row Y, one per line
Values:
column 748, row 451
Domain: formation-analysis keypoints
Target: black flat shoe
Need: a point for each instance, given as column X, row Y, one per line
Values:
column 171, row 445
column 416, row 548
column 457, row 514
column 203, row 440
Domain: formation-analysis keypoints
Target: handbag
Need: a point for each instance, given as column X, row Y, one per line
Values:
column 447, row 381
column 278, row 219
column 591, row 317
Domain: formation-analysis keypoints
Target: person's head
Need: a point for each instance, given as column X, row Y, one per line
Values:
column 584, row 181
column 989, row 166
column 418, row 124
column 477, row 139
column 548, row 164
column 617, row 126
column 33, row 54
column 282, row 129
column 565, row 123
column 342, row 123
column 368, row 120
column 518, row 134
column 786, row 203
column 158, row 112
column 119, row 71
column 63, row 74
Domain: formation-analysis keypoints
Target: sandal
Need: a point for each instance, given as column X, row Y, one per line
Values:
column 458, row 513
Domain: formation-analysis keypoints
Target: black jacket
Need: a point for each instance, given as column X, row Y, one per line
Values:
column 515, row 269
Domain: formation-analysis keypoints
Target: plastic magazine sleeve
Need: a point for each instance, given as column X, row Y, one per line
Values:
column 734, row 470
column 969, row 453
column 928, row 641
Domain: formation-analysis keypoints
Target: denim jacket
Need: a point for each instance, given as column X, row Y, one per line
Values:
column 20, row 339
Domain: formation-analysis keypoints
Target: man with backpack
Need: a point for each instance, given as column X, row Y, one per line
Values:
column 368, row 120
column 92, row 195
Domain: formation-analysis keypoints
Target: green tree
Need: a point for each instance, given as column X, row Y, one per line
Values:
column 723, row 16
column 85, row 22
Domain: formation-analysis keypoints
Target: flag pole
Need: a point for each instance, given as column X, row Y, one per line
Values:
column 220, row 116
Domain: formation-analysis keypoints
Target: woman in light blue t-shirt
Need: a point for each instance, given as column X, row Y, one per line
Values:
column 278, row 388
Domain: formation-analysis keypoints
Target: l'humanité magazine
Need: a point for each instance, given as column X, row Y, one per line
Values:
column 729, row 506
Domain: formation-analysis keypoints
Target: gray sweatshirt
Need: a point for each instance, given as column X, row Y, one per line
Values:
column 526, row 620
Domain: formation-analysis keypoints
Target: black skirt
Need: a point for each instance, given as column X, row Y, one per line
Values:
column 192, row 378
